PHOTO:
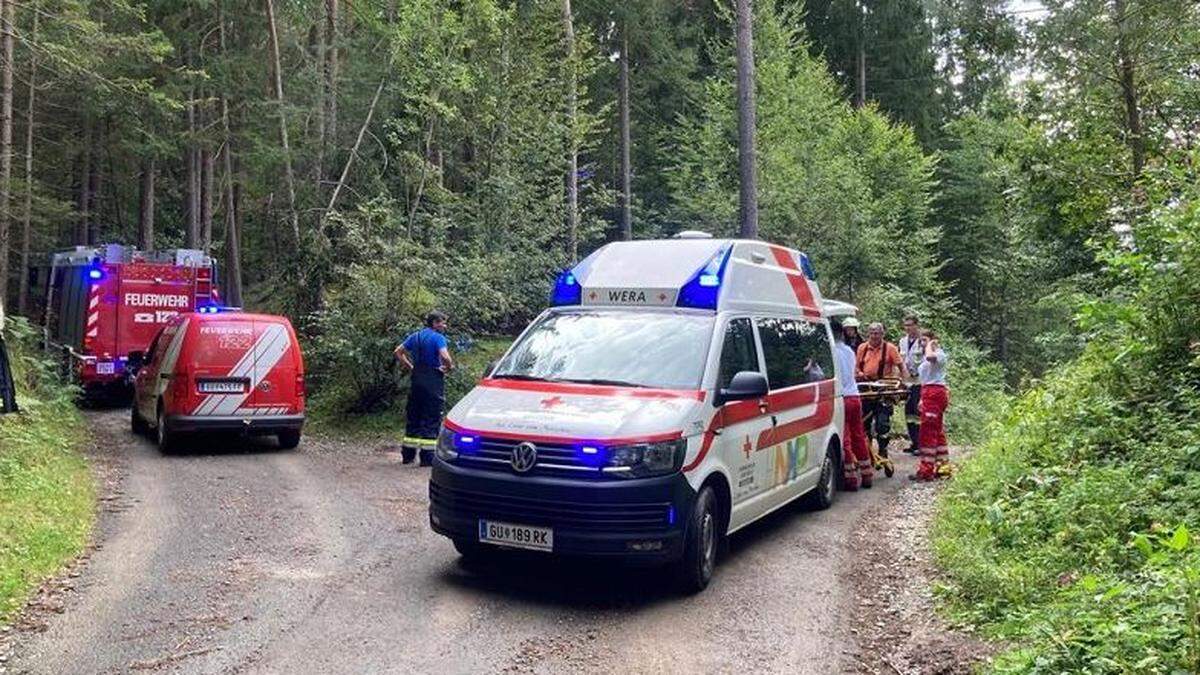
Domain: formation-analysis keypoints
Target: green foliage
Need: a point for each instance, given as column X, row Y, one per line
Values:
column 845, row 186
column 46, row 489
column 1065, row 533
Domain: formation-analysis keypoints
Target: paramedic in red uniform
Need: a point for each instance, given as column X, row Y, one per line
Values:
column 935, row 398
column 856, row 457
column 426, row 354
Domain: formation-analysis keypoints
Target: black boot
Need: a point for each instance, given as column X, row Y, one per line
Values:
column 426, row 458
column 407, row 455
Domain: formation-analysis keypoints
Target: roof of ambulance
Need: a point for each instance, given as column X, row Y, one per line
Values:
column 753, row 274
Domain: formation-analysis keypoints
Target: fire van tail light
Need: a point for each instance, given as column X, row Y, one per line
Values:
column 300, row 390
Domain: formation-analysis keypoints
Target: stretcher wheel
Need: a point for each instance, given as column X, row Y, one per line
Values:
column 889, row 470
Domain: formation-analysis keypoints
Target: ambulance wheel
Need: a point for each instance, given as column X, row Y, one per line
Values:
column 289, row 439
column 822, row 495
column 136, row 424
column 700, row 545
column 166, row 440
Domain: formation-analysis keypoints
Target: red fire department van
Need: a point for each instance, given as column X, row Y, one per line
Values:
column 219, row 370
column 103, row 302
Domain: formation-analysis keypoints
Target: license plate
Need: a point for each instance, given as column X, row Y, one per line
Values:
column 104, row 368
column 222, row 387
column 516, row 536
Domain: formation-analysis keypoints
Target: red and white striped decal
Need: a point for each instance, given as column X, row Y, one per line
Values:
column 820, row 393
column 93, row 316
column 800, row 286
column 255, row 364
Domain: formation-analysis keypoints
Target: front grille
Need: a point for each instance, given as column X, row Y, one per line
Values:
column 553, row 459
column 601, row 517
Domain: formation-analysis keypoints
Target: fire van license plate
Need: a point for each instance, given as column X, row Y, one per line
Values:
column 516, row 536
column 219, row 387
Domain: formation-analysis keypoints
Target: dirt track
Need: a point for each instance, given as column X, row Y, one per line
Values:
column 236, row 557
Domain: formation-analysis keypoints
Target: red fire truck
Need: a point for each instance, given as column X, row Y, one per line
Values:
column 103, row 302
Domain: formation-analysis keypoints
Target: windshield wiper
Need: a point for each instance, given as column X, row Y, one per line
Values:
column 611, row 383
column 519, row 376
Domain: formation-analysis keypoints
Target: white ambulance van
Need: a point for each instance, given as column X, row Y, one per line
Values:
column 675, row 392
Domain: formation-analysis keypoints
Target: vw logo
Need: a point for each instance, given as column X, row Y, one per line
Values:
column 524, row 456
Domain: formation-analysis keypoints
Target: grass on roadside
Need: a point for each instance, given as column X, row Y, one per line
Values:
column 47, row 494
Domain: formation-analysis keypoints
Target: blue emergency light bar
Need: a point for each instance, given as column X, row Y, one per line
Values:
column 703, row 290
column 567, row 290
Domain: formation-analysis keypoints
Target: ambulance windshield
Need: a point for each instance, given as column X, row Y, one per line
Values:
column 614, row 347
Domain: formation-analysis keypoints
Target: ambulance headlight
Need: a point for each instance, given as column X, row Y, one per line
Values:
column 646, row 459
column 446, row 449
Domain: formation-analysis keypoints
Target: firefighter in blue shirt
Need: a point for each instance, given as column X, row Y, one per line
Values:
column 426, row 355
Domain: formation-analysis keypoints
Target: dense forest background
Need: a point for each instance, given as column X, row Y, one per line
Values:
column 355, row 163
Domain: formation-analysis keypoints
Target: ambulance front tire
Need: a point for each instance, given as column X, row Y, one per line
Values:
column 701, row 542
column 289, row 439
column 822, row 495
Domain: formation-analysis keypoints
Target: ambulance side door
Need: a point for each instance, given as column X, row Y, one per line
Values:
column 742, row 421
column 800, row 371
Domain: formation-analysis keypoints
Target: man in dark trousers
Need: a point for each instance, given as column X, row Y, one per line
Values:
column 426, row 355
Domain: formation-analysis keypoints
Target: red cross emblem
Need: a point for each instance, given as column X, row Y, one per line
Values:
column 592, row 295
column 662, row 297
column 746, row 448
column 551, row 402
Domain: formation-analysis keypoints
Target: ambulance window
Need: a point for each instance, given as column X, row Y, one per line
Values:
column 796, row 352
column 738, row 353
column 613, row 347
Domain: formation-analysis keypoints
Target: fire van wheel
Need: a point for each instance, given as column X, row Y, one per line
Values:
column 288, row 440
column 136, row 423
column 822, row 495
column 166, row 439
column 701, row 541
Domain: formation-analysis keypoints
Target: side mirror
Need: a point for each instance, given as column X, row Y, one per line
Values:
column 746, row 384
column 135, row 361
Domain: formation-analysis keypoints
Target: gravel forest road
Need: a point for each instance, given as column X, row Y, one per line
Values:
column 236, row 557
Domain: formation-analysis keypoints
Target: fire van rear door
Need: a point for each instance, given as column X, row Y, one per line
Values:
column 274, row 368
column 222, row 364
column 149, row 295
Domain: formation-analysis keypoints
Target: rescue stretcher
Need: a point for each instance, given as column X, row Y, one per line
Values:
column 891, row 391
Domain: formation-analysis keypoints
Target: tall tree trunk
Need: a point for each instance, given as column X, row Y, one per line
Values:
column 146, row 207
column 82, row 200
column 191, row 159
column 572, row 143
column 233, row 255
column 747, row 170
column 27, row 216
column 6, row 128
column 1127, row 74
column 860, row 32
column 330, row 73
column 277, row 87
column 93, row 195
column 626, row 168
column 206, row 198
